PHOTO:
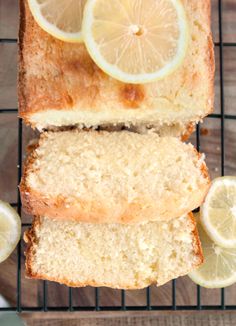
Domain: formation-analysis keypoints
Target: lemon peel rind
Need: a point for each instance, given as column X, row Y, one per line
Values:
column 194, row 276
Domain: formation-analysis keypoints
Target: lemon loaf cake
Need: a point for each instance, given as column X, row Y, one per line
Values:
column 122, row 177
column 114, row 255
column 60, row 85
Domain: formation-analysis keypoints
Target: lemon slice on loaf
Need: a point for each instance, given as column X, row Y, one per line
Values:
column 10, row 230
column 60, row 18
column 136, row 41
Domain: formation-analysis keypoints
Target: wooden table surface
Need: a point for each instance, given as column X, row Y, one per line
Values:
column 186, row 293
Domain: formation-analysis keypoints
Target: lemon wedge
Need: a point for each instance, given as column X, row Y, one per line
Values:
column 219, row 267
column 10, row 230
column 60, row 18
column 136, row 41
column 218, row 212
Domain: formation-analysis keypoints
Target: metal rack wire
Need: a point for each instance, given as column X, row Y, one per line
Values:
column 123, row 307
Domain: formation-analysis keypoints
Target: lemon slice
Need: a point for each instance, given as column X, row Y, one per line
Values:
column 219, row 267
column 218, row 213
column 136, row 41
column 10, row 230
column 60, row 18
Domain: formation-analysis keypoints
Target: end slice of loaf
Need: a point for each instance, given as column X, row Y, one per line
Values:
column 116, row 177
column 113, row 255
column 60, row 85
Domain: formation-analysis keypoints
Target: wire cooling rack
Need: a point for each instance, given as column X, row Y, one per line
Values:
column 123, row 307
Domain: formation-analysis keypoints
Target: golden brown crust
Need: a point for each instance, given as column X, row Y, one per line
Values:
column 21, row 66
column 30, row 238
column 24, row 190
column 197, row 247
column 190, row 128
column 35, row 204
column 62, row 76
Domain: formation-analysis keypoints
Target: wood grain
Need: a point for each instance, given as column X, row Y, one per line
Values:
column 136, row 319
column 31, row 291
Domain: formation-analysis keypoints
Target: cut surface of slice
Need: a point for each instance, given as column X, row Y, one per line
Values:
column 10, row 230
column 218, row 212
column 120, row 177
column 60, row 18
column 114, row 255
column 136, row 41
column 219, row 267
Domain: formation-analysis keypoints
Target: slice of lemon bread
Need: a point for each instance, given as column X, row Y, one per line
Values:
column 121, row 177
column 114, row 255
column 60, row 85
